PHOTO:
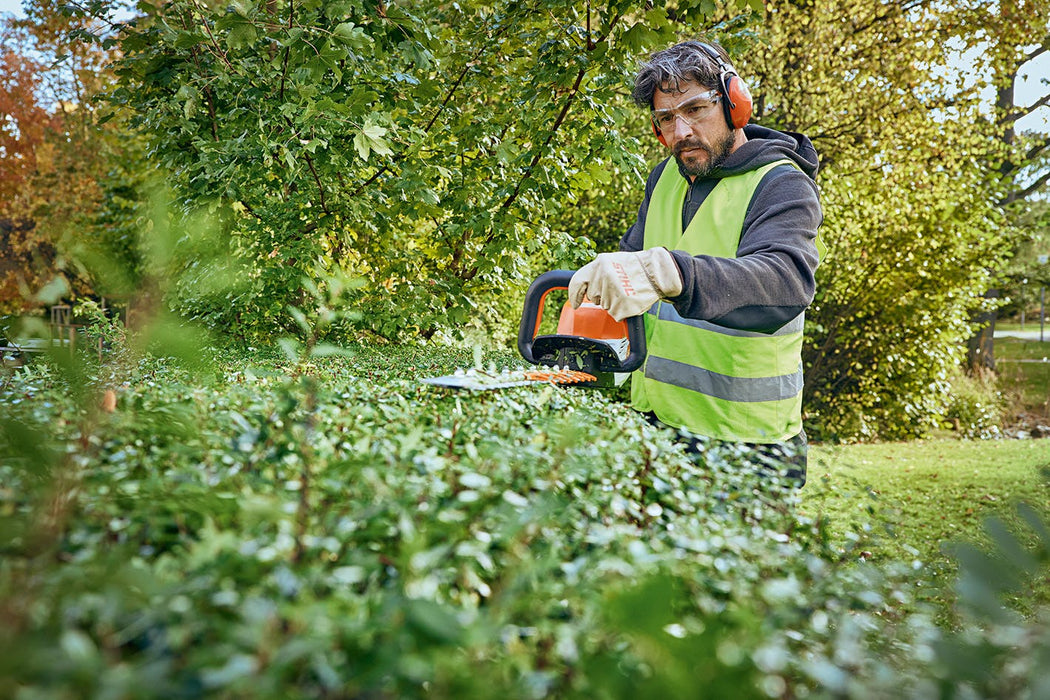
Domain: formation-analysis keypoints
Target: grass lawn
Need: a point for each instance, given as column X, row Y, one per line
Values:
column 1024, row 373
column 905, row 501
column 1031, row 324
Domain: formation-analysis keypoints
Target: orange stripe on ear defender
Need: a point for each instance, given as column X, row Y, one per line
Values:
column 659, row 134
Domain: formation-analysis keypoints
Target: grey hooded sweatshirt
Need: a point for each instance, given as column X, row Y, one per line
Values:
column 771, row 280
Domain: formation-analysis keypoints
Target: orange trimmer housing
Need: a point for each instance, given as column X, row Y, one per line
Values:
column 590, row 321
column 588, row 339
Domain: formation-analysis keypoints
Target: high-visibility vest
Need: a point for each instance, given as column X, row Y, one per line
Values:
column 728, row 384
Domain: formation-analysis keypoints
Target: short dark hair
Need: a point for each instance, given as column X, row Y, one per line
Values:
column 687, row 61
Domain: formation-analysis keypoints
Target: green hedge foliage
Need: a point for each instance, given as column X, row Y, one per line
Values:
column 331, row 527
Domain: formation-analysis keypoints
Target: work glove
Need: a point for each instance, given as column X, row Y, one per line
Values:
column 626, row 284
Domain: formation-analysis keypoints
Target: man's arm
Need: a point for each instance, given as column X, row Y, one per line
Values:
column 771, row 280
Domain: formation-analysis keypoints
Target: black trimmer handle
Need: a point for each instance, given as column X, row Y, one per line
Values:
column 533, row 313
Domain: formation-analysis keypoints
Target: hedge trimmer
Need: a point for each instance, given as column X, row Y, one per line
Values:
column 589, row 349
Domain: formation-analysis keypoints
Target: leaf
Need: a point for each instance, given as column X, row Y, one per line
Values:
column 371, row 139
column 351, row 35
column 53, row 291
column 361, row 143
column 238, row 666
column 1038, row 525
column 241, row 35
column 243, row 8
column 373, row 131
column 329, row 350
column 289, row 158
column 290, row 348
column 349, row 575
column 78, row 647
column 381, row 147
column 434, row 620
column 36, row 453
column 300, row 319
column 1009, row 547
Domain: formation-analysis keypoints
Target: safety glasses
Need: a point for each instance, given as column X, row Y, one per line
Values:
column 694, row 111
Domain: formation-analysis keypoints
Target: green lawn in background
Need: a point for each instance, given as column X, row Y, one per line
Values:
column 926, row 494
column 1031, row 324
column 1024, row 373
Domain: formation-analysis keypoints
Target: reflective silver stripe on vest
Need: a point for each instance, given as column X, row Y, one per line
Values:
column 721, row 386
column 667, row 312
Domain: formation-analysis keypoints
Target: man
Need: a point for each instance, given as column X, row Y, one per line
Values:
column 721, row 261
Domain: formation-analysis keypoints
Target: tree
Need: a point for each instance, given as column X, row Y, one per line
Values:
column 1025, row 275
column 1018, row 32
column 428, row 149
column 1013, row 34
column 69, row 186
column 24, row 126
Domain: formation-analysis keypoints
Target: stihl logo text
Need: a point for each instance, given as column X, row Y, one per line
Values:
column 625, row 280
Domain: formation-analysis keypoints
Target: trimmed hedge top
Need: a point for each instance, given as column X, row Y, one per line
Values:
column 336, row 527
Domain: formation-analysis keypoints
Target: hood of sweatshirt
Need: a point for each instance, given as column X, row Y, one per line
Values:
column 765, row 145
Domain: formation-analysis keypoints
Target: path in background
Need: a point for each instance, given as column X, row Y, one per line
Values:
column 1025, row 334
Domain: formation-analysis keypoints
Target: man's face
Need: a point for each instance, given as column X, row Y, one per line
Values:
column 694, row 127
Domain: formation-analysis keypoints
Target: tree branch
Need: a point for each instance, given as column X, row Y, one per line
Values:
column 1036, row 150
column 590, row 39
column 608, row 30
column 441, row 108
column 213, row 118
column 1037, row 185
column 287, row 50
column 207, row 89
column 207, row 29
column 313, row 171
column 470, row 274
column 546, row 142
column 1043, row 47
column 902, row 8
column 1025, row 111
column 248, row 208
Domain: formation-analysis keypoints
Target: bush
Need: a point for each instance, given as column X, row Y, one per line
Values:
column 976, row 408
column 307, row 526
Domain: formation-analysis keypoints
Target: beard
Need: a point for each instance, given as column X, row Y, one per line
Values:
column 715, row 156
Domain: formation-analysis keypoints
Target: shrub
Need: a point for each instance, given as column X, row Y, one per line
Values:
column 976, row 407
column 306, row 526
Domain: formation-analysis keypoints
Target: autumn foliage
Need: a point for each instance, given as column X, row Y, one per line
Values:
column 67, row 177
column 25, row 127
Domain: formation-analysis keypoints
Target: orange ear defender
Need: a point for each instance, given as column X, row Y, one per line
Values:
column 736, row 98
column 659, row 134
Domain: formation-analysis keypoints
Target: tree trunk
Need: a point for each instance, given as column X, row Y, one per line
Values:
column 980, row 350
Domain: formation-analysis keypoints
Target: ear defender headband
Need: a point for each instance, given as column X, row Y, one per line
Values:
column 736, row 98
